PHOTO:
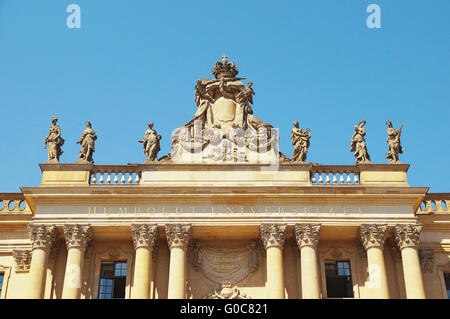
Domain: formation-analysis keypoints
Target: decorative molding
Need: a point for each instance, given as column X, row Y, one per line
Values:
column 42, row 236
column 144, row 235
column 22, row 259
column 178, row 235
column 78, row 236
column 307, row 234
column 373, row 235
column 406, row 235
column 426, row 258
column 273, row 235
column 226, row 291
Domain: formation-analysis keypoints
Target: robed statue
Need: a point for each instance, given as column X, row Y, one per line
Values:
column 358, row 145
column 151, row 143
column 393, row 140
column 87, row 142
column 54, row 141
column 300, row 140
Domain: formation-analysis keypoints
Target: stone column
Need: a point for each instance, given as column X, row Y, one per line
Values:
column 144, row 240
column 43, row 239
column 273, row 237
column 178, row 238
column 372, row 239
column 78, row 237
column 307, row 236
column 407, row 238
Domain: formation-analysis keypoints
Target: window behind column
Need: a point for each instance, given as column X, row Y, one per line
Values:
column 113, row 276
column 2, row 276
column 338, row 279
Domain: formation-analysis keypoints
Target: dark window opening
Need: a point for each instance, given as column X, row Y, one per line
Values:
column 447, row 284
column 113, row 276
column 338, row 279
column 1, row 282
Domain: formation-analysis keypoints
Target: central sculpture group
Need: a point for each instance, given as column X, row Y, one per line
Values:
column 224, row 129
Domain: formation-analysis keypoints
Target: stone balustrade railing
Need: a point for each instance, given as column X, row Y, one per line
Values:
column 115, row 175
column 13, row 203
column 437, row 203
column 335, row 175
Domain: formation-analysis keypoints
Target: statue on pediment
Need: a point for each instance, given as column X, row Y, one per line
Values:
column 358, row 145
column 224, row 127
column 54, row 141
column 87, row 142
column 393, row 140
column 300, row 140
column 151, row 143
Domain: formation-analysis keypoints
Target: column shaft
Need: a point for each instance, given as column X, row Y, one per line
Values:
column 177, row 276
column 377, row 270
column 412, row 273
column 73, row 275
column 275, row 273
column 310, row 273
column 142, row 273
column 38, row 272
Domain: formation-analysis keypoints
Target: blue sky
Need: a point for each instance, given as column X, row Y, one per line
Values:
column 312, row 61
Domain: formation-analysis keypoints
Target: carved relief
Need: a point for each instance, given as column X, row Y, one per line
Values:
column 42, row 236
column 373, row 236
column 78, row 235
column 22, row 259
column 178, row 236
column 226, row 291
column 144, row 235
column 307, row 234
column 220, row 264
column 426, row 258
column 273, row 235
column 407, row 235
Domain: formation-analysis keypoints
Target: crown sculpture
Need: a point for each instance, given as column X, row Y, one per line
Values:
column 224, row 128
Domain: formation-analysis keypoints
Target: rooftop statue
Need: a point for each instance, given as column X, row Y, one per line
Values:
column 224, row 118
column 54, row 142
column 151, row 143
column 393, row 140
column 300, row 140
column 87, row 142
column 358, row 145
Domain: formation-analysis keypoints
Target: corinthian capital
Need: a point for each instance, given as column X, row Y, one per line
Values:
column 273, row 235
column 407, row 235
column 178, row 236
column 78, row 235
column 373, row 236
column 42, row 236
column 144, row 235
column 307, row 234
column 22, row 259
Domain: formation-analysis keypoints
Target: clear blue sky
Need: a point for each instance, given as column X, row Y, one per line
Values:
column 138, row 61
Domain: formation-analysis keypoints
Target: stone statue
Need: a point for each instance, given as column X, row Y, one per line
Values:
column 358, row 145
column 87, row 142
column 151, row 143
column 393, row 141
column 223, row 106
column 300, row 140
column 54, row 142
column 226, row 291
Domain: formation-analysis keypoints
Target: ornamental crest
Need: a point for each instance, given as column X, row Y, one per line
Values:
column 225, row 264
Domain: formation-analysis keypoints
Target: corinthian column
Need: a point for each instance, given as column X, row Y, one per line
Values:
column 372, row 238
column 77, row 237
column 43, row 239
column 144, row 240
column 273, row 237
column 407, row 238
column 307, row 236
column 178, row 238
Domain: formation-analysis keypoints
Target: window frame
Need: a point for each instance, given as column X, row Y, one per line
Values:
column 339, row 254
column 112, row 254
column 114, row 277
column 336, row 270
column 6, row 271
